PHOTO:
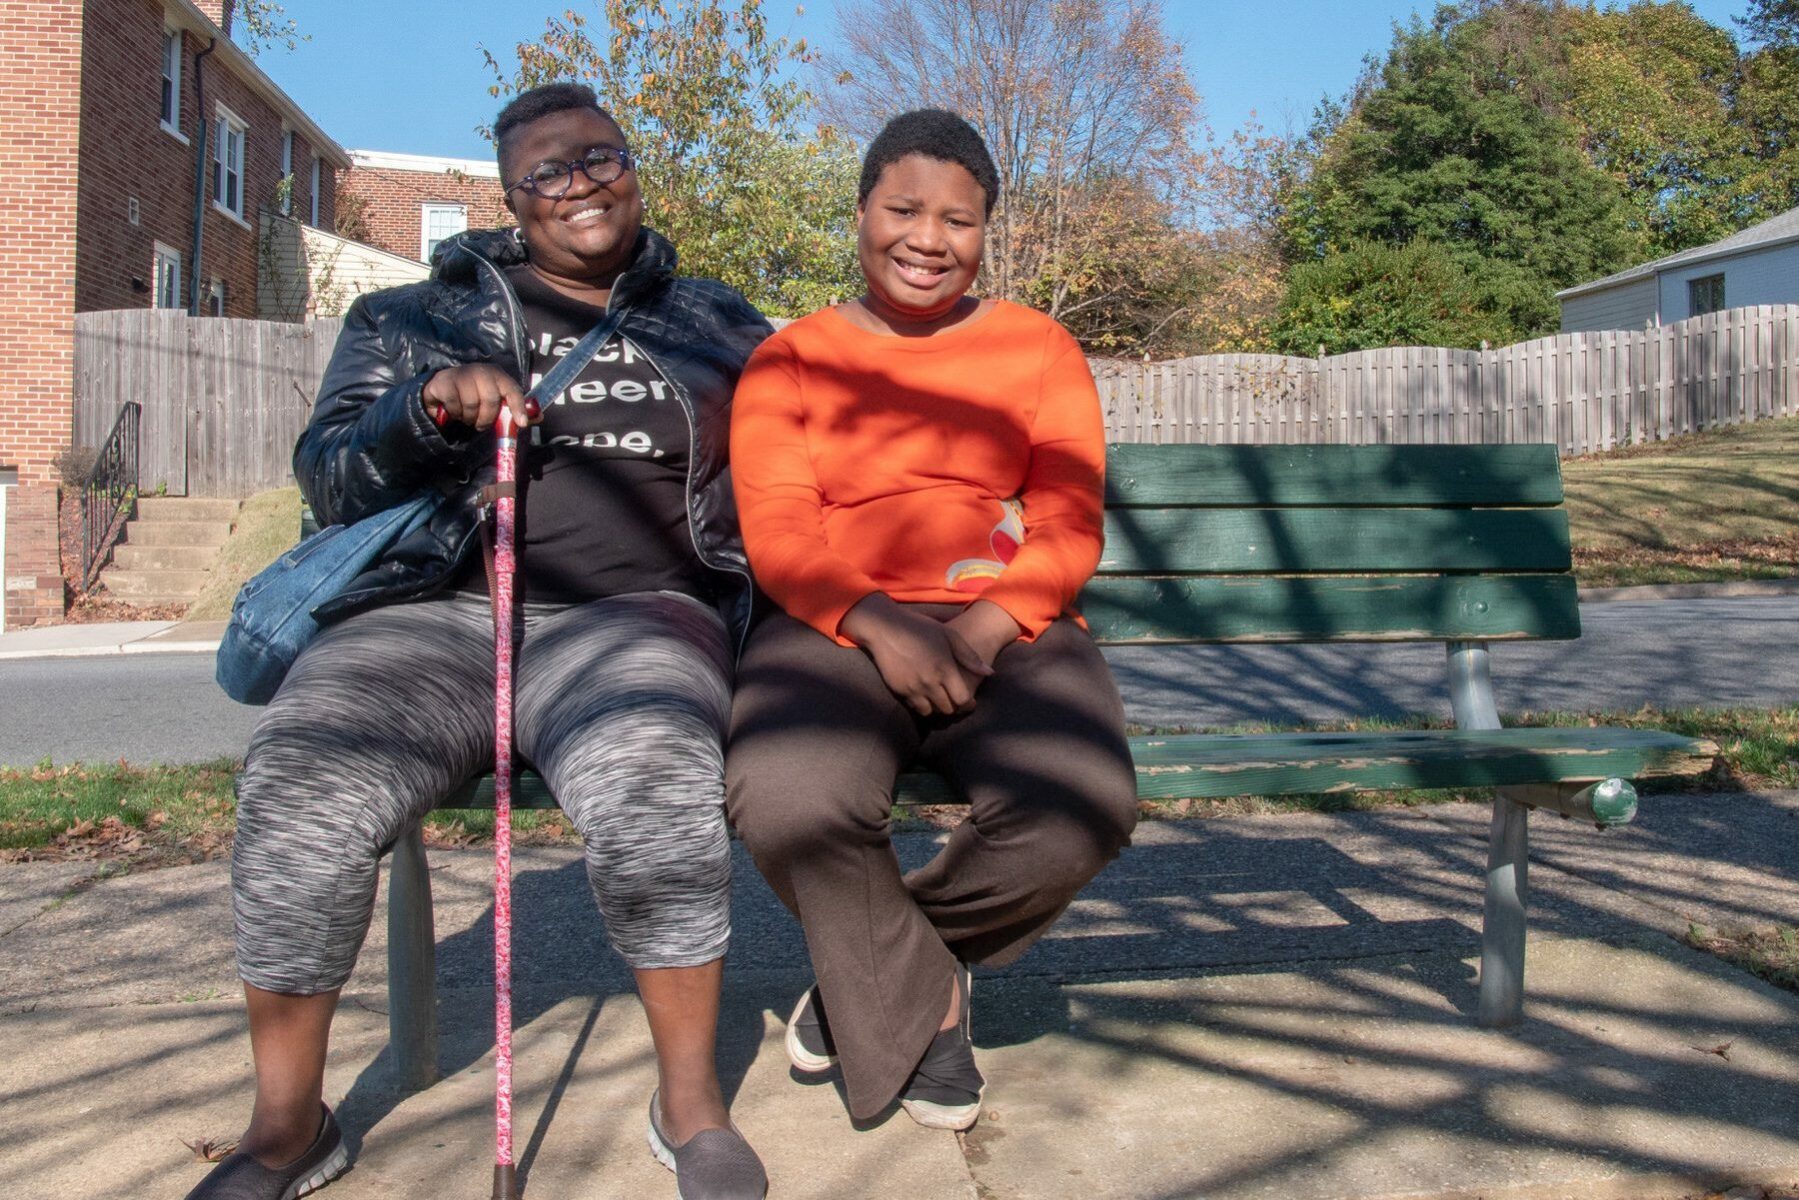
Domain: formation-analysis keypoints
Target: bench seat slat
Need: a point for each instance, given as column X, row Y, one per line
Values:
column 1156, row 476
column 1365, row 608
column 1200, row 766
column 1289, row 540
column 1277, row 764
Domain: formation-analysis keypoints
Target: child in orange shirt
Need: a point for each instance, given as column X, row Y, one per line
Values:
column 919, row 478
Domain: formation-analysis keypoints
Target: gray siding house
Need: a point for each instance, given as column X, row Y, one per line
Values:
column 1760, row 265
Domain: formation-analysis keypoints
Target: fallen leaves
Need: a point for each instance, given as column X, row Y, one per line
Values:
column 108, row 838
column 1719, row 554
column 1722, row 1050
column 208, row 1149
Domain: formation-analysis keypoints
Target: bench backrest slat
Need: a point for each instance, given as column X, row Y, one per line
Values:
column 1393, row 608
column 1147, row 476
column 1214, row 541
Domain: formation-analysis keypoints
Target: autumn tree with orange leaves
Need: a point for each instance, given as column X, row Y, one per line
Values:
column 1095, row 128
column 734, row 171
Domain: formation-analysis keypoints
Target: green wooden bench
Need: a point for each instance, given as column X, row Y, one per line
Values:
column 1463, row 545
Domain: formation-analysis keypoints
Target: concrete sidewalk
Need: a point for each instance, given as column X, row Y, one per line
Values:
column 112, row 637
column 1266, row 1007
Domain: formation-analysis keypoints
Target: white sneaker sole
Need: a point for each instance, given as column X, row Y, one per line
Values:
column 955, row 1117
column 335, row 1164
column 804, row 1060
column 661, row 1149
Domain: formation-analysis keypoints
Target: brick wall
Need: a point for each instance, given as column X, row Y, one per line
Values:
column 40, row 108
column 127, row 154
column 34, row 586
column 219, row 12
column 394, row 201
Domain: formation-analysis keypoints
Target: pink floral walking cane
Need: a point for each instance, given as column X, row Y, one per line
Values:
column 505, row 1180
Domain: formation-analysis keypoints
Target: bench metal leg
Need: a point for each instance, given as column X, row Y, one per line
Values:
column 411, row 965
column 1502, row 929
column 1508, row 850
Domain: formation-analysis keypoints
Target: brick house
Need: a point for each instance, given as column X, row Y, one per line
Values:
column 101, row 104
column 407, row 203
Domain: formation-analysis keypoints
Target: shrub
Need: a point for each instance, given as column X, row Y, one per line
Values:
column 1373, row 294
column 73, row 464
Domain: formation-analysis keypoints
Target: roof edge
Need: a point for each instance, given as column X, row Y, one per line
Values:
column 391, row 160
column 190, row 18
column 1653, row 268
column 315, row 233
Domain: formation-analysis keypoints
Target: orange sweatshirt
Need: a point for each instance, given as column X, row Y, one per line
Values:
column 968, row 464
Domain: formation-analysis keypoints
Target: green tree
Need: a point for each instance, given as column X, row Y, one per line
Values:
column 265, row 23
column 1456, row 138
column 732, row 173
column 1650, row 89
column 1768, row 104
column 1771, row 23
column 1372, row 294
column 1092, row 120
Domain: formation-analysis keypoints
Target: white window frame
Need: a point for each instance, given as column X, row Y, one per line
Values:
column 165, row 256
column 287, row 170
column 215, row 297
column 426, row 211
column 318, row 179
column 171, row 71
column 223, row 169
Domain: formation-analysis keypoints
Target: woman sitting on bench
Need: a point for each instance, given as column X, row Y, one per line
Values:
column 919, row 476
column 635, row 595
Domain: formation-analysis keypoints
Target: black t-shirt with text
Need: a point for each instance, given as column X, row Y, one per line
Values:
column 603, row 476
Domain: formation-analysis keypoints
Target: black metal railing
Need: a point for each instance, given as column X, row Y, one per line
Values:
column 109, row 495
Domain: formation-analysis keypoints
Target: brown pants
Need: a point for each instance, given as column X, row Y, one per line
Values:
column 816, row 742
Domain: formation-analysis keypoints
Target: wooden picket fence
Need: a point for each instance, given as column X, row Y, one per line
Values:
column 224, row 400
column 1584, row 392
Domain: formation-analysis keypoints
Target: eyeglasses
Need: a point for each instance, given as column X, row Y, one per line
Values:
column 552, row 177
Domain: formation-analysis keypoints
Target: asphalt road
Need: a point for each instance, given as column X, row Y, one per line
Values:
column 1672, row 653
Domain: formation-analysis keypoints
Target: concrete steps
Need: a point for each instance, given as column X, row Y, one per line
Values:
column 151, row 557
column 168, row 549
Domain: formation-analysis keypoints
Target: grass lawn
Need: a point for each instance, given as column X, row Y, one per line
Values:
column 1771, row 952
column 267, row 526
column 1711, row 506
column 177, row 814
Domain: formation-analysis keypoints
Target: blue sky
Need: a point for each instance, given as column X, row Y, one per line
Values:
column 400, row 75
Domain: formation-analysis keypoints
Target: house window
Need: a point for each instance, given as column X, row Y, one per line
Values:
column 215, row 298
column 168, row 277
column 228, row 165
column 171, row 81
column 318, row 175
column 1705, row 295
column 440, row 221
column 287, row 172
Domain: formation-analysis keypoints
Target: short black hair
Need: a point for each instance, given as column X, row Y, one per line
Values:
column 539, row 102
column 935, row 133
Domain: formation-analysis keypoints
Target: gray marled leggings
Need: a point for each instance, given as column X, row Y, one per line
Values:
column 620, row 704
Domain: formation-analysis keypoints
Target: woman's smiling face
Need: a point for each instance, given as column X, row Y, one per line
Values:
column 590, row 231
column 919, row 237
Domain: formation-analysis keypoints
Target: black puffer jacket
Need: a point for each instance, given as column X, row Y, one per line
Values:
column 370, row 445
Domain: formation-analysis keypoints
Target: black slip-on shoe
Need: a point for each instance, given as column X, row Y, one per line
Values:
column 946, row 1087
column 713, row 1164
column 241, row 1177
column 809, row 1045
